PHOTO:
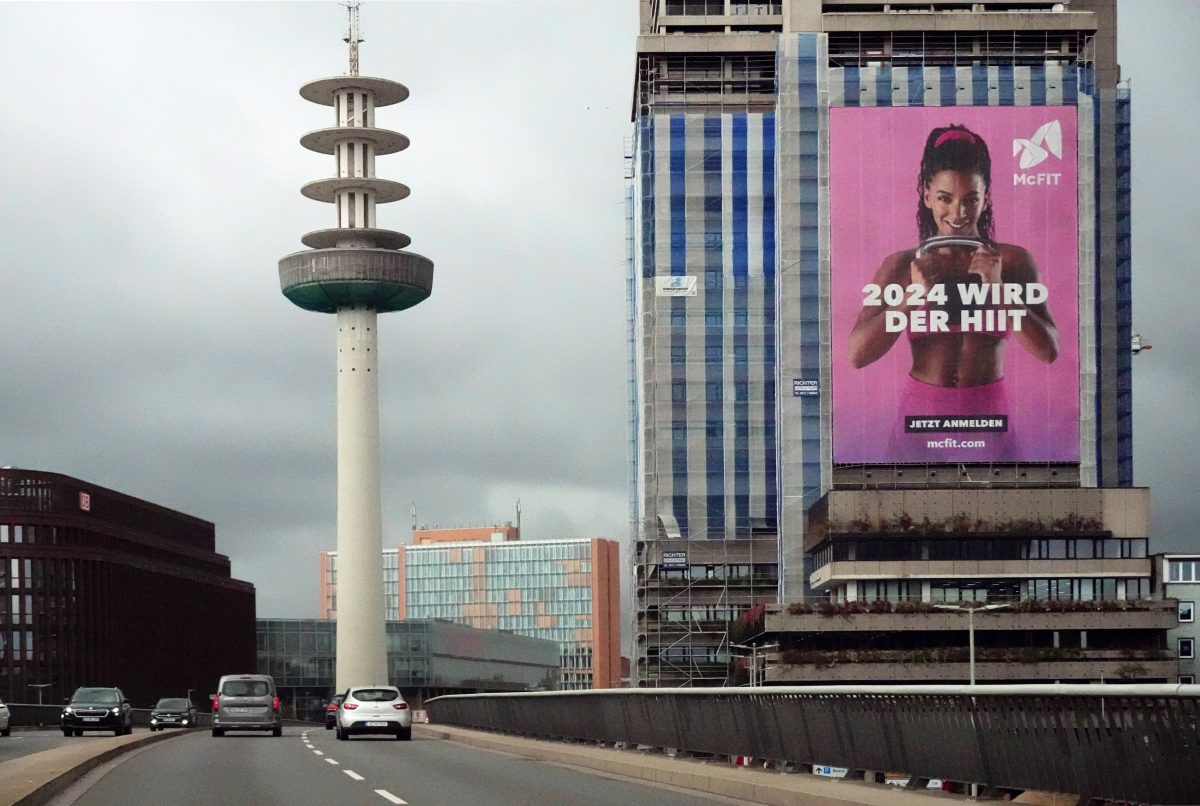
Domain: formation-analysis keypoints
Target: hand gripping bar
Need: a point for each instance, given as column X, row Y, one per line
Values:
column 937, row 242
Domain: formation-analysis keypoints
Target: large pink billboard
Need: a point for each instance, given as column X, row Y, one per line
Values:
column 954, row 295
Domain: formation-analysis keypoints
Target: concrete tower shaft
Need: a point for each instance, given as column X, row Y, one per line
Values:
column 356, row 270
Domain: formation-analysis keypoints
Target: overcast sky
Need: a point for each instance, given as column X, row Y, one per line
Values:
column 151, row 176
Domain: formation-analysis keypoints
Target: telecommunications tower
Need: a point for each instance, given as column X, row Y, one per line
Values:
column 356, row 271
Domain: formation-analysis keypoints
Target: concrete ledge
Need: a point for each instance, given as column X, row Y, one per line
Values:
column 34, row 779
column 741, row 783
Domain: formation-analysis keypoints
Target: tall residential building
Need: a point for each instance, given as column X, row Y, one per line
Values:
column 567, row 591
column 1179, row 575
column 800, row 349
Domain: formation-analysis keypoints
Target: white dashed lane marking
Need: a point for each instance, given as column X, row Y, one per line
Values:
column 318, row 752
column 388, row 796
column 353, row 775
column 330, row 761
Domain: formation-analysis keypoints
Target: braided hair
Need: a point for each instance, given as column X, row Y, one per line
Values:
column 954, row 148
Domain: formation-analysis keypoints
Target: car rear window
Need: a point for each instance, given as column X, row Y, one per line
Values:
column 375, row 694
column 173, row 705
column 245, row 688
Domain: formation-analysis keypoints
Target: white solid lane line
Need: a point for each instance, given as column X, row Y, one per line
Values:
column 383, row 793
column 330, row 761
column 353, row 775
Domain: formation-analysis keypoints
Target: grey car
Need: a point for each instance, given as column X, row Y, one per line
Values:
column 246, row 702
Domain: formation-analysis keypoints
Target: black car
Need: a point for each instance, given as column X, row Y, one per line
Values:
column 173, row 712
column 97, row 709
column 331, row 711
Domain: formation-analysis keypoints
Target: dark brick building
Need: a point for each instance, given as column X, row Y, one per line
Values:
column 100, row 588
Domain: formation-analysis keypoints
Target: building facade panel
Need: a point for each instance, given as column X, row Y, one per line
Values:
column 1179, row 576
column 100, row 588
column 567, row 591
column 713, row 84
column 425, row 659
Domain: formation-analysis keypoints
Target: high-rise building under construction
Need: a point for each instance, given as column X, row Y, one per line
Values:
column 879, row 283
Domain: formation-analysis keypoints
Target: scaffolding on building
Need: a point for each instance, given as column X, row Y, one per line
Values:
column 708, row 83
column 957, row 48
column 690, row 595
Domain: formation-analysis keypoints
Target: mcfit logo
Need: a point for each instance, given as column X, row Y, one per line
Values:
column 1046, row 140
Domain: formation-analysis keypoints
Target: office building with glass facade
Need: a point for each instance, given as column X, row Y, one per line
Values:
column 425, row 658
column 567, row 591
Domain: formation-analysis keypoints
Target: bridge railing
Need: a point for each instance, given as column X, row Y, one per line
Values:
column 1137, row 743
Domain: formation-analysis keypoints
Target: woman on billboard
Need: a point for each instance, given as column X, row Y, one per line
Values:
column 960, row 295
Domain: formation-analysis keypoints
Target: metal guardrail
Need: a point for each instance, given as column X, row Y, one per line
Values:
column 1135, row 743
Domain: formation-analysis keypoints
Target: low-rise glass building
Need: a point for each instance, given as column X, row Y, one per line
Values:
column 425, row 658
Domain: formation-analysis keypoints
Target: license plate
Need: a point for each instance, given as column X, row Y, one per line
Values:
column 377, row 724
column 91, row 719
column 238, row 710
column 167, row 719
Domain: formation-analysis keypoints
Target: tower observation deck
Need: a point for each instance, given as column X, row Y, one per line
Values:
column 356, row 270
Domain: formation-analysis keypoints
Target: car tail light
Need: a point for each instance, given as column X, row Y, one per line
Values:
column 275, row 704
column 349, row 706
column 400, row 706
column 215, row 704
column 331, row 707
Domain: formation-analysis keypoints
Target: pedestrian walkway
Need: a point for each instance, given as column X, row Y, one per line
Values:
column 751, row 784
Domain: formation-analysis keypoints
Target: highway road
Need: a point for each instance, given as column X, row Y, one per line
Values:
column 24, row 742
column 309, row 766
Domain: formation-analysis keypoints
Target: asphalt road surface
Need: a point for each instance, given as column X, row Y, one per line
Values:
column 309, row 766
column 24, row 742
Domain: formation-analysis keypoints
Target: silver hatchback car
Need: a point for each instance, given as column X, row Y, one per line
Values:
column 374, row 709
column 246, row 702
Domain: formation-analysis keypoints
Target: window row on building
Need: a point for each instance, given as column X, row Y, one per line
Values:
column 1082, row 589
column 731, row 572
column 499, row 554
column 900, row 550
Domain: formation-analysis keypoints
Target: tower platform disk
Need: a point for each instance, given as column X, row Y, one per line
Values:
column 386, row 92
column 386, row 141
column 337, row 236
column 324, row 280
column 325, row 190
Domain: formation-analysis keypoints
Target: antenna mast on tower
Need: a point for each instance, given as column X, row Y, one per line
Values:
column 353, row 35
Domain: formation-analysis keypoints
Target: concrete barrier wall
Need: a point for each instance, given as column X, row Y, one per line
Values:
column 26, row 715
column 1138, row 743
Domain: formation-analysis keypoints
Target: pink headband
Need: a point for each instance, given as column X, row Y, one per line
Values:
column 954, row 134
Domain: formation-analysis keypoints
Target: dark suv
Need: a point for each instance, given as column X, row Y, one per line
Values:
column 173, row 712
column 97, row 709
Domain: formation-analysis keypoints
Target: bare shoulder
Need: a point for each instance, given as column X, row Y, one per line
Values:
column 895, row 267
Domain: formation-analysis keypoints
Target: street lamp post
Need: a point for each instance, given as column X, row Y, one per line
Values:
column 39, row 687
column 970, row 609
